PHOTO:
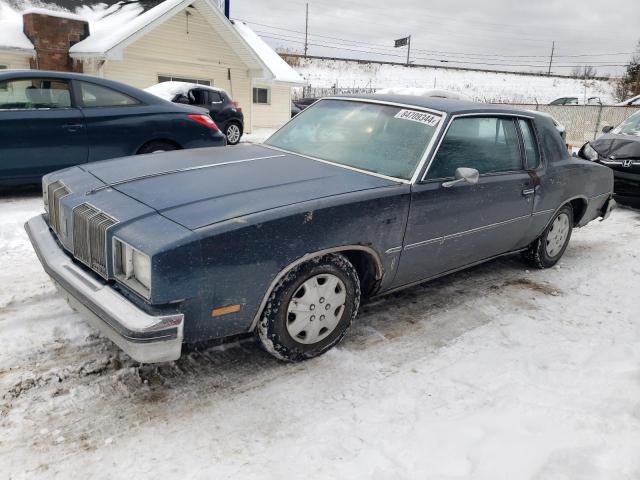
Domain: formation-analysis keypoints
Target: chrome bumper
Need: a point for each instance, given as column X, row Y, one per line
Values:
column 146, row 338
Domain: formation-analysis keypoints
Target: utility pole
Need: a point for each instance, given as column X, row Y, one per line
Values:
column 408, row 49
column 306, row 32
column 553, row 48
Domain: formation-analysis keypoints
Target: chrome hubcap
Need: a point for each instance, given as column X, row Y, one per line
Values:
column 233, row 133
column 316, row 308
column 557, row 236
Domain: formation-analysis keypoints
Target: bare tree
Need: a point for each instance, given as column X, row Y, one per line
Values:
column 629, row 84
column 587, row 72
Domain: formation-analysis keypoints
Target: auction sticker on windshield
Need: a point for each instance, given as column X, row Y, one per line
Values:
column 421, row 117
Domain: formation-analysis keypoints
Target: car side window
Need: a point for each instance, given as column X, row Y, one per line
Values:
column 531, row 151
column 34, row 93
column 488, row 144
column 558, row 101
column 214, row 97
column 198, row 97
column 571, row 101
column 94, row 96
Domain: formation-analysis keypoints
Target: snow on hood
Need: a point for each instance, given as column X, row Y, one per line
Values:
column 168, row 90
column 280, row 69
column 424, row 92
column 11, row 30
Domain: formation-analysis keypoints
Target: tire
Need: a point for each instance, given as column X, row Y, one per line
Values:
column 549, row 247
column 156, row 146
column 289, row 329
column 233, row 132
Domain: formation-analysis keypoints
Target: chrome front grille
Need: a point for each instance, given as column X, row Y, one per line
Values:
column 55, row 192
column 90, row 235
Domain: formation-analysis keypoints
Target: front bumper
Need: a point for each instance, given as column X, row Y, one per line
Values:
column 146, row 338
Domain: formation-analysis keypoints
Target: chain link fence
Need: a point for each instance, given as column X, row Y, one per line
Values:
column 583, row 122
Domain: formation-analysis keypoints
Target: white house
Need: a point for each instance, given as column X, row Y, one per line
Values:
column 145, row 42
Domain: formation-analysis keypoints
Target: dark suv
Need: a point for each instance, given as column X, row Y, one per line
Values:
column 225, row 112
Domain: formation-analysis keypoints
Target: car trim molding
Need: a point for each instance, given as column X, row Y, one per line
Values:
column 444, row 238
column 307, row 257
column 178, row 170
column 394, row 250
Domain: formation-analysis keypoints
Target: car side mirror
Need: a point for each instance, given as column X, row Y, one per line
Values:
column 607, row 129
column 469, row 176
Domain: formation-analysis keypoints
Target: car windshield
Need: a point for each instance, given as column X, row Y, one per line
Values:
column 384, row 139
column 631, row 126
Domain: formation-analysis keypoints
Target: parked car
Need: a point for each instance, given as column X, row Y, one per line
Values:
column 295, row 109
column 352, row 199
column 619, row 149
column 305, row 102
column 630, row 102
column 577, row 100
column 53, row 120
column 225, row 112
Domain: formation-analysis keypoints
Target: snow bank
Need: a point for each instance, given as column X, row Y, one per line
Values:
column 278, row 67
column 480, row 86
column 11, row 30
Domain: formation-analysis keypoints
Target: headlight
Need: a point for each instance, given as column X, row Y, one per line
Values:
column 132, row 267
column 589, row 152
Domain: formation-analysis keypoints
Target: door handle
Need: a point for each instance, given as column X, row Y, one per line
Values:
column 528, row 191
column 72, row 127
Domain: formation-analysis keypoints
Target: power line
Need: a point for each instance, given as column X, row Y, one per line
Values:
column 464, row 62
column 441, row 52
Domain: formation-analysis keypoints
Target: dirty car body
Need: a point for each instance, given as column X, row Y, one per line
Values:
column 159, row 256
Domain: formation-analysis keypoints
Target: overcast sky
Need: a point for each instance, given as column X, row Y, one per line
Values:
column 494, row 34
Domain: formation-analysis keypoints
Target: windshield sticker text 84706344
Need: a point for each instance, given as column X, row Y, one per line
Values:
column 421, row 117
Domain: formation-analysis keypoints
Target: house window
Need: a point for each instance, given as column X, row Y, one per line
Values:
column 168, row 78
column 262, row 95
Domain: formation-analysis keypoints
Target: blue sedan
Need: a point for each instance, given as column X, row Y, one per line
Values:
column 353, row 198
column 54, row 120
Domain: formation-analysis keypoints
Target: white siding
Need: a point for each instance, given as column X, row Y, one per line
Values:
column 14, row 60
column 277, row 112
column 170, row 49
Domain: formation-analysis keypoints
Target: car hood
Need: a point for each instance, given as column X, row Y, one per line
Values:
column 617, row 146
column 200, row 187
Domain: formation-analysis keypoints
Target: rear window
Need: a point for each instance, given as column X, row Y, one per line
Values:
column 34, row 93
column 98, row 96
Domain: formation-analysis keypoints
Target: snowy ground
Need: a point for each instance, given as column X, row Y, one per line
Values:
column 494, row 373
column 480, row 86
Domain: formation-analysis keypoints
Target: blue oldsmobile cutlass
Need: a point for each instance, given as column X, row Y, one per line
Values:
column 354, row 197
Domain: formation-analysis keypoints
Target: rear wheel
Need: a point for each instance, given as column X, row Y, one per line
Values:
column 310, row 309
column 233, row 132
column 551, row 245
column 157, row 146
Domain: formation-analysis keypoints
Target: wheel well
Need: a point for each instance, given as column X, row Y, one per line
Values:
column 367, row 269
column 163, row 140
column 579, row 206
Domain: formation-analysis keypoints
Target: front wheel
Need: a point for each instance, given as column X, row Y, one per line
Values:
column 549, row 247
column 310, row 309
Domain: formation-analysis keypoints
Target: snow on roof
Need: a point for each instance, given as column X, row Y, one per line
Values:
column 112, row 25
column 280, row 69
column 168, row 90
column 11, row 34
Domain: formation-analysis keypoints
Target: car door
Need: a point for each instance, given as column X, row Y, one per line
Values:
column 117, row 124
column 450, row 227
column 41, row 130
